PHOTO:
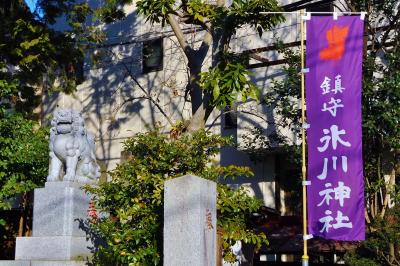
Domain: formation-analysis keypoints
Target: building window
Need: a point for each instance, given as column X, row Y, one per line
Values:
column 310, row 6
column 153, row 51
column 322, row 6
column 230, row 117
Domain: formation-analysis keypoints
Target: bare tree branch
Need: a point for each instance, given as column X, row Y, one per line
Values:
column 127, row 100
column 151, row 99
column 235, row 111
column 350, row 5
column 392, row 26
column 147, row 94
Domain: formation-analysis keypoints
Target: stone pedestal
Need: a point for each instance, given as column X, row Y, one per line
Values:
column 58, row 211
column 190, row 222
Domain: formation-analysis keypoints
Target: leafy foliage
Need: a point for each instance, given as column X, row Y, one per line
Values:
column 30, row 49
column 382, row 241
column 23, row 157
column 247, row 12
column 381, row 117
column 134, row 197
column 229, row 84
column 156, row 11
column 240, row 13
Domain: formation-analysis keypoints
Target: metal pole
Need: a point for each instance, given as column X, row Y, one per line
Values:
column 314, row 12
column 305, row 257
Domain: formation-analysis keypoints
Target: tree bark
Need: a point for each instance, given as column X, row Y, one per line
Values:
column 23, row 228
column 392, row 255
column 389, row 189
column 219, row 247
column 201, row 108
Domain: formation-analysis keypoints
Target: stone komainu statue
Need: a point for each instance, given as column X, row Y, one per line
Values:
column 72, row 148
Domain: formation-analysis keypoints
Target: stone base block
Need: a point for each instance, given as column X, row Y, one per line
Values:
column 53, row 248
column 58, row 208
column 41, row 263
column 14, row 263
column 58, row 263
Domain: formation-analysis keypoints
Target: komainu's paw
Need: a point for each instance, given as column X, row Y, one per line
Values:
column 69, row 177
column 85, row 179
column 51, row 178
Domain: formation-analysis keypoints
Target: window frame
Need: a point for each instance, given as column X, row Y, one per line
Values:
column 149, row 44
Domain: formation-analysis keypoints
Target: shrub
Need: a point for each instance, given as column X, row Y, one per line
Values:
column 23, row 157
column 132, row 233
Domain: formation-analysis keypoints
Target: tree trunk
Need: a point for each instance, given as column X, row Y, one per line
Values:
column 392, row 255
column 389, row 186
column 23, row 228
column 219, row 247
column 201, row 107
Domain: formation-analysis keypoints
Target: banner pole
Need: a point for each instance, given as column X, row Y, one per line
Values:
column 305, row 257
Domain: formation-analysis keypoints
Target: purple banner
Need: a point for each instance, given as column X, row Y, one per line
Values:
column 333, row 92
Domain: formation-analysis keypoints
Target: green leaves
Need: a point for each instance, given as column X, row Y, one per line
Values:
column 156, row 11
column 29, row 50
column 381, row 97
column 134, row 196
column 246, row 12
column 229, row 84
column 234, row 207
column 200, row 11
column 23, row 157
column 34, row 44
column 8, row 87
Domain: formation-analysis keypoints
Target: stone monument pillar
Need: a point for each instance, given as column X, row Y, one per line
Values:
column 190, row 222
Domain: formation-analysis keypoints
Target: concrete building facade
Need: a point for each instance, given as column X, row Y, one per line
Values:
column 145, row 61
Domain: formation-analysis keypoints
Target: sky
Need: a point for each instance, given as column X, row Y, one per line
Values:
column 31, row 4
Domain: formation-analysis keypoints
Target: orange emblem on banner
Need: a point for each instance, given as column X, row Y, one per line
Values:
column 336, row 37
